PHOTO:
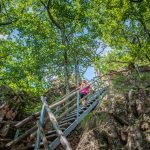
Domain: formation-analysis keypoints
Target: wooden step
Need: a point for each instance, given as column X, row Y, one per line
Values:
column 53, row 131
column 65, row 125
column 72, row 116
column 90, row 102
column 75, row 112
column 51, row 137
column 83, row 107
column 68, row 120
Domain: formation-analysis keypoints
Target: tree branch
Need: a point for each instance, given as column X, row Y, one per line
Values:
column 43, row 3
column 50, row 15
column 5, row 23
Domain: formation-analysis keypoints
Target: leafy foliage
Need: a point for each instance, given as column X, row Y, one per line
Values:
column 33, row 51
column 47, row 39
column 124, row 26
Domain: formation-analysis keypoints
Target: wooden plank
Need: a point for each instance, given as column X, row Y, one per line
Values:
column 74, row 112
column 53, row 131
column 26, row 120
column 52, row 136
column 64, row 124
column 25, row 135
column 66, row 95
column 69, row 120
column 69, row 117
column 83, row 107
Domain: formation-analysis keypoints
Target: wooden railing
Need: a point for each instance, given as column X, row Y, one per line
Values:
column 56, row 111
column 40, row 123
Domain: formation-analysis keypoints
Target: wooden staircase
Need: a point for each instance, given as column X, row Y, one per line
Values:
column 55, row 122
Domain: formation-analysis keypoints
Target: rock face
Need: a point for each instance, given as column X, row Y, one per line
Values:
column 123, row 119
column 88, row 141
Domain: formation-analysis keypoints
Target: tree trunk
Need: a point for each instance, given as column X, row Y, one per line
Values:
column 77, row 75
column 60, row 26
column 66, row 76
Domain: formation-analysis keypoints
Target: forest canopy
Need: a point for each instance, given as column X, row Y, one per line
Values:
column 43, row 39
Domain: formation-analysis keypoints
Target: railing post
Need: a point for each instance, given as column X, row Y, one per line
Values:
column 42, row 114
column 78, row 104
column 54, row 122
column 77, row 83
column 78, row 93
column 17, row 134
column 98, row 86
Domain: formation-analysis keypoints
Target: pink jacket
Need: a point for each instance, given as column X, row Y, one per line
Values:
column 85, row 90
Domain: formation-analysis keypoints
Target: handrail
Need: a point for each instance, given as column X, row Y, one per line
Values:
column 26, row 120
column 65, row 96
column 57, row 103
column 69, row 95
column 71, row 101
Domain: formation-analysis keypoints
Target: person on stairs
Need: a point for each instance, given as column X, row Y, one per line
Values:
column 84, row 90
